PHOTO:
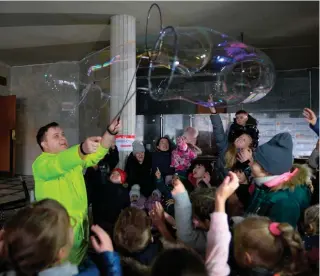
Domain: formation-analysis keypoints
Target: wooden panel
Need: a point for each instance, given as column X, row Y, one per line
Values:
column 5, row 151
column 205, row 110
column 7, row 131
column 8, row 112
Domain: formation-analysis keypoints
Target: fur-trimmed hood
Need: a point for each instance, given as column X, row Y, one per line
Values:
column 286, row 201
column 303, row 177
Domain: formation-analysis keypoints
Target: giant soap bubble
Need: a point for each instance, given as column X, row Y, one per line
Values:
column 88, row 88
column 191, row 63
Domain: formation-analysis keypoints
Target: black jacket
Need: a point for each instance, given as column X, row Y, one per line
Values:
column 140, row 174
column 250, row 128
column 100, row 175
column 108, row 201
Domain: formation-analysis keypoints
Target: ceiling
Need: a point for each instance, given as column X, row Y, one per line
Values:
column 41, row 32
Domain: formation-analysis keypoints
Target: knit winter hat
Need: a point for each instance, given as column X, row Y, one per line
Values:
column 135, row 190
column 123, row 175
column 157, row 192
column 137, row 146
column 275, row 156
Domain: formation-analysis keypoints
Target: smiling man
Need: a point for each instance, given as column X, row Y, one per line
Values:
column 58, row 174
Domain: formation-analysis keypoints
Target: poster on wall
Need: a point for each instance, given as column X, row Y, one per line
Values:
column 304, row 139
column 124, row 142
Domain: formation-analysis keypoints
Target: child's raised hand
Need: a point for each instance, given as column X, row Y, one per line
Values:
column 102, row 242
column 158, row 173
column 178, row 186
column 228, row 187
column 212, row 109
column 245, row 155
column 157, row 214
column 309, row 116
column 169, row 202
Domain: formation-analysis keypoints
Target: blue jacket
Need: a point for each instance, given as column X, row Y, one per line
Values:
column 111, row 264
column 315, row 128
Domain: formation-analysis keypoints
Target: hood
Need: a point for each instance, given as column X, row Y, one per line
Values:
column 250, row 122
column 134, row 162
column 299, row 188
column 302, row 178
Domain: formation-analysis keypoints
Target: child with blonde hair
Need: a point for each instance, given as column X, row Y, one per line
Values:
column 261, row 247
column 38, row 240
column 265, row 247
column 240, row 148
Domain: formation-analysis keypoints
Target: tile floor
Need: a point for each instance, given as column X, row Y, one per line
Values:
column 11, row 189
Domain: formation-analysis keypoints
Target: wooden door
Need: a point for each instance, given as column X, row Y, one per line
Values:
column 7, row 134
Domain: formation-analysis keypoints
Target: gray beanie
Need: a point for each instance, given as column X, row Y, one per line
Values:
column 137, row 146
column 135, row 190
column 275, row 156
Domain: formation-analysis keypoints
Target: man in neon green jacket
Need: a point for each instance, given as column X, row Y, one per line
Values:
column 58, row 174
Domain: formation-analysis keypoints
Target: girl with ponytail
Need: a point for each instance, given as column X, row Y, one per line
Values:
column 267, row 248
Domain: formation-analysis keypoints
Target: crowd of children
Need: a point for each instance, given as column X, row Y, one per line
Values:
column 165, row 213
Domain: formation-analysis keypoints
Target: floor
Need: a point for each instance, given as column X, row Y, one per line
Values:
column 11, row 189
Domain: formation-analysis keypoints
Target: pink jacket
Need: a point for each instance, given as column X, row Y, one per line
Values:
column 182, row 156
column 218, row 240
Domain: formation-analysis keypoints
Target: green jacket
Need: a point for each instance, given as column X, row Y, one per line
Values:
column 286, row 202
column 60, row 177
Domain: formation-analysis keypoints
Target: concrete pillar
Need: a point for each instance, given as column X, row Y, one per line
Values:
column 123, row 43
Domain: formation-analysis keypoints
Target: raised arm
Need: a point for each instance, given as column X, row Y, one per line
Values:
column 183, row 216
column 315, row 127
column 219, row 235
column 102, row 244
column 107, row 142
column 51, row 166
column 219, row 134
column 312, row 119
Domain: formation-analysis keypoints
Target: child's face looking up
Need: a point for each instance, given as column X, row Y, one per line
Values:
column 242, row 119
column 134, row 198
column 163, row 145
column 115, row 177
column 140, row 157
column 199, row 171
column 155, row 196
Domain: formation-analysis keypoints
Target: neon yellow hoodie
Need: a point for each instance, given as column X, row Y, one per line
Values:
column 60, row 177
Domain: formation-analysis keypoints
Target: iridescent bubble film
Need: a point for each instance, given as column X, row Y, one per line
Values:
column 192, row 63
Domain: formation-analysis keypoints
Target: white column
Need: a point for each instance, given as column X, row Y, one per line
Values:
column 123, row 43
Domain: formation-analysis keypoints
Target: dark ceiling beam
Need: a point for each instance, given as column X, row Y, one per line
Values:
column 51, row 19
